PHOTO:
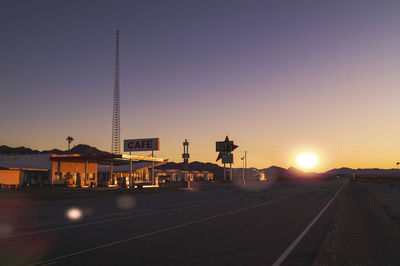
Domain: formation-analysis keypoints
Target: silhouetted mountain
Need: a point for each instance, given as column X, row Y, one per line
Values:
column 84, row 149
column 279, row 173
column 53, row 151
column 19, row 150
column 365, row 171
column 340, row 171
column 78, row 149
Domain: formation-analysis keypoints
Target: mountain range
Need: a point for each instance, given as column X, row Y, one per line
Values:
column 78, row 149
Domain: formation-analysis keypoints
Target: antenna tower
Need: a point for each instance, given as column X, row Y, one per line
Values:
column 116, row 131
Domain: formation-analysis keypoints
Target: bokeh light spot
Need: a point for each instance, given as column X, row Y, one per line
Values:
column 126, row 202
column 5, row 229
column 74, row 214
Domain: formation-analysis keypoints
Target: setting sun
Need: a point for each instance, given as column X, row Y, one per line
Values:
column 307, row 160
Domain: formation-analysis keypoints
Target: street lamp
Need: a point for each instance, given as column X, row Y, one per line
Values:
column 243, row 180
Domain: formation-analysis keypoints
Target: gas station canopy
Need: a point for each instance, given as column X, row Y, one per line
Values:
column 115, row 159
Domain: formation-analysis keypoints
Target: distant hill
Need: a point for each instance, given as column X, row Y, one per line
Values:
column 276, row 172
column 364, row 171
column 18, row 150
column 86, row 150
column 79, row 149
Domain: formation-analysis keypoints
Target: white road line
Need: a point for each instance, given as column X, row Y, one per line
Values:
column 286, row 253
column 115, row 219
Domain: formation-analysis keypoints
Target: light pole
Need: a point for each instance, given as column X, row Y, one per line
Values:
column 243, row 179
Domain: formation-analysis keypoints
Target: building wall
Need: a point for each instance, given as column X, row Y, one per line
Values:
column 73, row 173
column 10, row 177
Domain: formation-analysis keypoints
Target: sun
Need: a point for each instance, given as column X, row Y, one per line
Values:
column 307, row 160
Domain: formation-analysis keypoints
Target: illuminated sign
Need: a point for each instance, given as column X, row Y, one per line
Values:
column 151, row 144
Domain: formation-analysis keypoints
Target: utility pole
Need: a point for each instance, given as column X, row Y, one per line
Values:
column 243, row 179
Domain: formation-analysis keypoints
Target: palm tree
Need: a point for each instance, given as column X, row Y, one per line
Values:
column 398, row 165
column 69, row 139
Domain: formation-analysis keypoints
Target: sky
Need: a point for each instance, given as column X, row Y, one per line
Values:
column 278, row 77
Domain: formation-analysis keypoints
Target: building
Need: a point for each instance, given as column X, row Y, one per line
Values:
column 24, row 170
column 71, row 170
column 208, row 176
column 122, row 175
column 175, row 175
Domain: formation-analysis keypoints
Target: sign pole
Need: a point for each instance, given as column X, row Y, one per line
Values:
column 224, row 173
column 230, row 172
column 130, row 172
column 225, row 149
column 152, row 168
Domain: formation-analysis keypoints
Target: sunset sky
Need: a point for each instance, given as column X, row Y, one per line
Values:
column 278, row 77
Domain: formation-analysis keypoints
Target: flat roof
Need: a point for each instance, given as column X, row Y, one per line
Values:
column 17, row 168
column 116, row 159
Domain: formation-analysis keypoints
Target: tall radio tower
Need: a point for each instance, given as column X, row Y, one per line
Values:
column 116, row 138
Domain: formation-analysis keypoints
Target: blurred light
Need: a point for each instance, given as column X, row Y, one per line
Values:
column 5, row 229
column 74, row 214
column 126, row 202
column 307, row 160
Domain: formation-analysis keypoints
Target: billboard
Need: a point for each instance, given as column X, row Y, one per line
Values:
column 227, row 158
column 224, row 146
column 150, row 144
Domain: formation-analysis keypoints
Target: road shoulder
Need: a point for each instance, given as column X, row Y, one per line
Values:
column 361, row 233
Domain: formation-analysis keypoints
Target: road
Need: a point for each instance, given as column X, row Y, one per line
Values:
column 286, row 223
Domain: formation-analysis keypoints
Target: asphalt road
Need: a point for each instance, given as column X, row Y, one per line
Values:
column 284, row 223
